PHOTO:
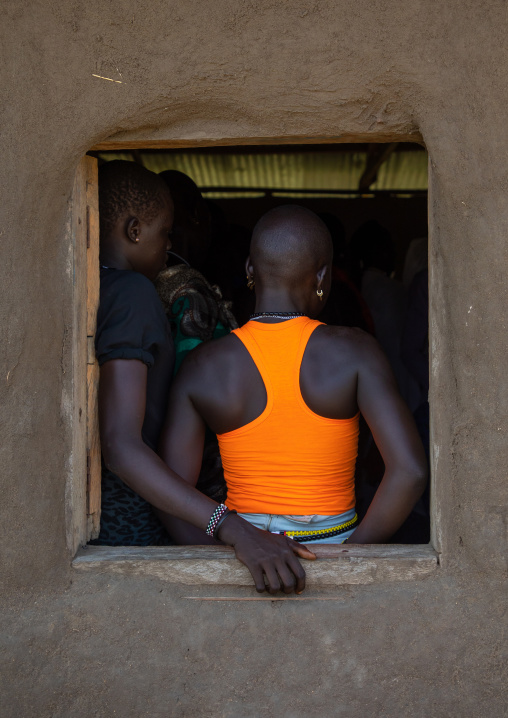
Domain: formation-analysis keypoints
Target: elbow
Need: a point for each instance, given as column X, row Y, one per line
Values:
column 412, row 475
column 116, row 452
column 111, row 454
column 421, row 484
column 419, row 476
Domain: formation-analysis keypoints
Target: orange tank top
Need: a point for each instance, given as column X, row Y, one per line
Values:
column 289, row 460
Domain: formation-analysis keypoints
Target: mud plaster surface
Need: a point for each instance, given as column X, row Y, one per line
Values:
column 221, row 72
column 146, row 649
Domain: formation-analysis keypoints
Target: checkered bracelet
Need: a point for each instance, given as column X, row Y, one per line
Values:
column 215, row 518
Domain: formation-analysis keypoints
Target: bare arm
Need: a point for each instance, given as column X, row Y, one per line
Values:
column 122, row 393
column 122, row 396
column 181, row 447
column 397, row 439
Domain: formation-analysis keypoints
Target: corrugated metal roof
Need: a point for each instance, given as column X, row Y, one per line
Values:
column 403, row 170
column 315, row 170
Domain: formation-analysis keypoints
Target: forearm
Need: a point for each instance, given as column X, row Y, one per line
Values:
column 183, row 532
column 146, row 474
column 391, row 505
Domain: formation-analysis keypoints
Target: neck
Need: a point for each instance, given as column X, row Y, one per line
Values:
column 277, row 300
column 111, row 257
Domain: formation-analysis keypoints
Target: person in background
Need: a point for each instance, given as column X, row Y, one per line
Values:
column 194, row 307
column 415, row 355
column 133, row 344
column 415, row 336
column 416, row 260
column 374, row 252
column 345, row 306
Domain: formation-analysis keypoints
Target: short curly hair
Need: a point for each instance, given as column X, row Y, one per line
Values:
column 129, row 188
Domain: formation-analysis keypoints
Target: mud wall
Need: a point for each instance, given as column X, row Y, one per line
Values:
column 260, row 69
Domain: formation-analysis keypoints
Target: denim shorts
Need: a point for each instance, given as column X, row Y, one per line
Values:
column 305, row 525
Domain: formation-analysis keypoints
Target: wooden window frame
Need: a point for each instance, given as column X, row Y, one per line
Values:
column 179, row 564
column 83, row 492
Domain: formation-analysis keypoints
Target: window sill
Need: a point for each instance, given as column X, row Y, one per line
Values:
column 217, row 565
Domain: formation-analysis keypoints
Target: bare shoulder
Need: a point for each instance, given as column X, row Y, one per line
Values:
column 347, row 336
column 209, row 354
column 346, row 343
column 209, row 362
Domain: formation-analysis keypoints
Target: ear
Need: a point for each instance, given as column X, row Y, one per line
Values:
column 133, row 229
column 249, row 267
column 321, row 274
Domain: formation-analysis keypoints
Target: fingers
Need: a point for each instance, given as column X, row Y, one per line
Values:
column 288, row 580
column 298, row 572
column 259, row 578
column 272, row 577
column 287, row 575
column 273, row 557
column 301, row 550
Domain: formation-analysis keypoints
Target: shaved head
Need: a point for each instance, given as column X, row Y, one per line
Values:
column 288, row 243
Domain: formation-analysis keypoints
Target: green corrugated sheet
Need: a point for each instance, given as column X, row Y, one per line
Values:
column 403, row 170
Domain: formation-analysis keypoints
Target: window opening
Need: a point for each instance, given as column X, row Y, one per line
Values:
column 373, row 199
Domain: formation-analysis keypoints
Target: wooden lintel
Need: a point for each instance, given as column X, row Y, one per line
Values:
column 165, row 144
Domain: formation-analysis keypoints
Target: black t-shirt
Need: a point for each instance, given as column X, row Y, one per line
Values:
column 131, row 324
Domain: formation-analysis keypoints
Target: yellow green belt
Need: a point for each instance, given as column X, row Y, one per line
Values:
column 302, row 536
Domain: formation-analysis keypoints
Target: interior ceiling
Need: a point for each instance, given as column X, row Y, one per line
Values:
column 350, row 168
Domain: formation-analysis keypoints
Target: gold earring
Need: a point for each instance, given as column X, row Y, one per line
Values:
column 250, row 282
column 319, row 292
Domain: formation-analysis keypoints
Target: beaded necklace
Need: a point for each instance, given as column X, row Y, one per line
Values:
column 276, row 315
